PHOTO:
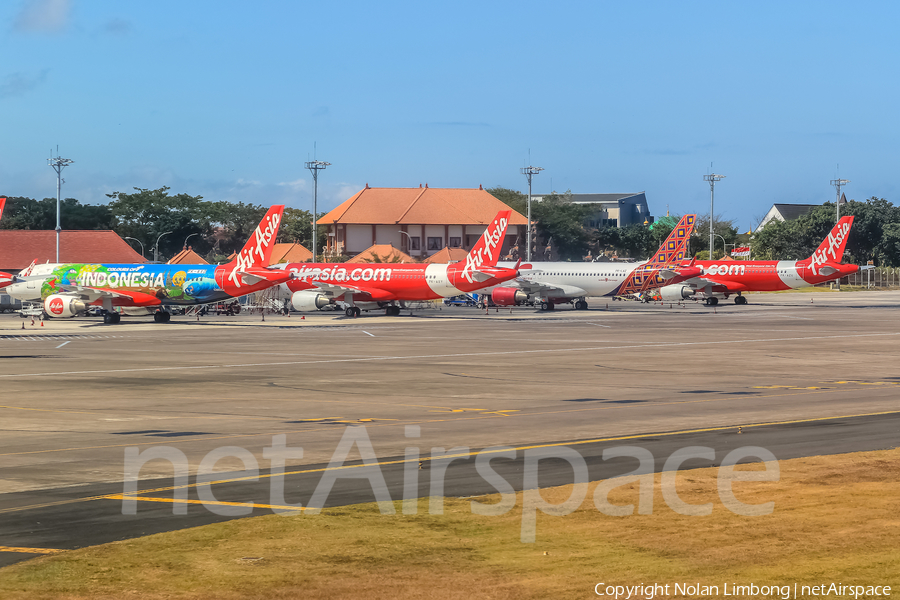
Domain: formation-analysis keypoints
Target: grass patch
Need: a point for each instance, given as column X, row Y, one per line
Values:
column 836, row 518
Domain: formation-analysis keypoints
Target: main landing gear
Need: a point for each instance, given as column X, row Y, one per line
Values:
column 111, row 318
column 712, row 301
column 547, row 305
column 580, row 305
column 162, row 316
column 392, row 311
column 740, row 299
column 352, row 311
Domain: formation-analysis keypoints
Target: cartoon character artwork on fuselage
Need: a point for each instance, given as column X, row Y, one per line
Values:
column 169, row 284
column 67, row 290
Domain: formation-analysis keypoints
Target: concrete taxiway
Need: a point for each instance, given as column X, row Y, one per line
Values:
column 77, row 394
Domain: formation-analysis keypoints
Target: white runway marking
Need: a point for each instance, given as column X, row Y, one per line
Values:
column 63, row 344
column 367, row 333
column 458, row 355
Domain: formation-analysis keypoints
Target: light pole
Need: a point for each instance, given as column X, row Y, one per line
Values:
column 410, row 240
column 156, row 246
column 314, row 166
column 838, row 183
column 724, row 249
column 58, row 165
column 189, row 237
column 712, row 179
column 529, row 172
column 139, row 242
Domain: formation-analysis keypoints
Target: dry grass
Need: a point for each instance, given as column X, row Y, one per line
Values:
column 836, row 519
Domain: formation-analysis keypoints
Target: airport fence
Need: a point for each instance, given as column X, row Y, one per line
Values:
column 879, row 277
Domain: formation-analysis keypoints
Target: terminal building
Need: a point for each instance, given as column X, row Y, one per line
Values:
column 419, row 222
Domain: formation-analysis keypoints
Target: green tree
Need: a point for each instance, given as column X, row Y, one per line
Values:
column 889, row 247
column 27, row 213
column 798, row 239
column 700, row 237
column 148, row 214
column 560, row 223
column 515, row 200
column 296, row 226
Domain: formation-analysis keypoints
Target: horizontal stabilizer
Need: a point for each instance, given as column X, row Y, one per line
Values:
column 480, row 276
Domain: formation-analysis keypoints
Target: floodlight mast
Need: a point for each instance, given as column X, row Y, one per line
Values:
column 529, row 172
column 58, row 164
column 712, row 179
column 838, row 183
column 314, row 166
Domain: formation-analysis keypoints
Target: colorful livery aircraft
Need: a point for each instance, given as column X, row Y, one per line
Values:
column 384, row 285
column 551, row 283
column 712, row 279
column 69, row 289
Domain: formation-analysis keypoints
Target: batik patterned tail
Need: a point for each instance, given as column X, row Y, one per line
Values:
column 673, row 250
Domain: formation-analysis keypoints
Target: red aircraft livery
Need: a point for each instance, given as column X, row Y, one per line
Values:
column 712, row 279
column 385, row 285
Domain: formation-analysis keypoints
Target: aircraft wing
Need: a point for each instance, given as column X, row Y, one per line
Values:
column 701, row 283
column 92, row 294
column 334, row 290
column 545, row 289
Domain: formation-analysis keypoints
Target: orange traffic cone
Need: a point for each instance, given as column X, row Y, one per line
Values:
column 302, row 317
column 23, row 324
column 42, row 322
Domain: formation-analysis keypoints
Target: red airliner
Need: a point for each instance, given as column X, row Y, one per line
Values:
column 384, row 285
column 712, row 279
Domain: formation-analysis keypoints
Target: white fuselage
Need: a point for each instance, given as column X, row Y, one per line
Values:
column 29, row 290
column 571, row 279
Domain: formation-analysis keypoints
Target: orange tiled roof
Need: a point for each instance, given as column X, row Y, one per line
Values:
column 289, row 253
column 417, row 206
column 19, row 247
column 384, row 252
column 447, row 255
column 187, row 257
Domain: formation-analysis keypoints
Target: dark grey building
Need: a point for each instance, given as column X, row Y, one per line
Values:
column 614, row 210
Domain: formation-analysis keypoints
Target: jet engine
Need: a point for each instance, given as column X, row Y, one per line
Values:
column 507, row 296
column 306, row 301
column 63, row 306
column 676, row 293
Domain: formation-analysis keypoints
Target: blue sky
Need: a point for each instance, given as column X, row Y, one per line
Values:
column 227, row 99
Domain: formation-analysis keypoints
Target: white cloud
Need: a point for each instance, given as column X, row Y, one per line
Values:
column 43, row 16
column 18, row 84
column 298, row 185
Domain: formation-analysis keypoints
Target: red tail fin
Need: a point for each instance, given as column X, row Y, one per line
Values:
column 2, row 204
column 832, row 249
column 486, row 252
column 258, row 249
